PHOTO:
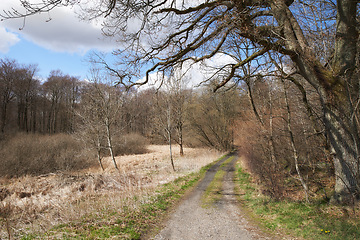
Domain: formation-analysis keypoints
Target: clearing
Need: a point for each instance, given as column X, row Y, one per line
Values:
column 35, row 204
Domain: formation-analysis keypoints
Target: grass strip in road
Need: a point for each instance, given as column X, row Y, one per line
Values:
column 309, row 221
column 213, row 192
column 143, row 216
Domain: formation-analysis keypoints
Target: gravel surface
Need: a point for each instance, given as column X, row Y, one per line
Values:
column 222, row 221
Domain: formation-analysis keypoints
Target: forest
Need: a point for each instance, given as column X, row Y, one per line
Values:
column 267, row 120
column 103, row 119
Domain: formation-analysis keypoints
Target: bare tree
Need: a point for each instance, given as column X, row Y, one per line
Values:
column 90, row 129
column 170, row 111
column 164, row 122
column 71, row 90
column 292, row 142
column 178, row 94
column 102, row 104
column 54, row 87
column 26, row 87
column 8, row 70
column 212, row 117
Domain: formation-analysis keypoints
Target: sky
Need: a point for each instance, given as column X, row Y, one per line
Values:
column 62, row 43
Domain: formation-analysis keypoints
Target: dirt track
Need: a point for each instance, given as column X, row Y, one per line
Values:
column 222, row 221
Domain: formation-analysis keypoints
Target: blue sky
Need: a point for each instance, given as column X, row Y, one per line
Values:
column 63, row 43
column 26, row 52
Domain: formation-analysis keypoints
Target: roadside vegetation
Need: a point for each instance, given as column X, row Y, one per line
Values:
column 137, row 215
column 317, row 220
column 92, row 202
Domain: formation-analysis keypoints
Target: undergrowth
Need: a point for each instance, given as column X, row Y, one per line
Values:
column 35, row 154
column 318, row 220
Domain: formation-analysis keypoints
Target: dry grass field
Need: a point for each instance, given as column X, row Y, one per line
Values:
column 38, row 203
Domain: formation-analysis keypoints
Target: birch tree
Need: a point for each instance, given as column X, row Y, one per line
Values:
column 101, row 104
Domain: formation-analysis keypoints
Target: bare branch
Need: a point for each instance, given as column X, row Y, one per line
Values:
column 239, row 64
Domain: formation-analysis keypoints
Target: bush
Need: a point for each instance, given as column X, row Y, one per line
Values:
column 33, row 154
column 128, row 144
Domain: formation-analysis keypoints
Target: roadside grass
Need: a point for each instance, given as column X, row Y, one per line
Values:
column 310, row 221
column 142, row 215
column 213, row 191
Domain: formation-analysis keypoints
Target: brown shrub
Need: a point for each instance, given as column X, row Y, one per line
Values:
column 252, row 142
column 128, row 144
column 35, row 154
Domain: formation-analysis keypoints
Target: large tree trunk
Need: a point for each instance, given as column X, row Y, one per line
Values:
column 341, row 131
column 344, row 142
column 336, row 86
column 338, row 109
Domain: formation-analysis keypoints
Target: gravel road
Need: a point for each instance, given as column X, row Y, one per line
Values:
column 222, row 221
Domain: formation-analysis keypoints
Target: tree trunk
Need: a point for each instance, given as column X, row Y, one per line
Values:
column 181, row 149
column 293, row 146
column 169, row 135
column 108, row 135
column 171, row 156
column 33, row 117
column 271, row 137
column 26, row 109
column 344, row 142
column 181, row 145
column 3, row 116
column 341, row 88
column 99, row 154
column 49, row 119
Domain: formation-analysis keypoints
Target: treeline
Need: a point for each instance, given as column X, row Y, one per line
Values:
column 108, row 120
column 268, row 118
column 29, row 105
column 61, row 103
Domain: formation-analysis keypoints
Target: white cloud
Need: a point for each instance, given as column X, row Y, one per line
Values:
column 194, row 75
column 155, row 80
column 199, row 73
column 7, row 39
column 63, row 33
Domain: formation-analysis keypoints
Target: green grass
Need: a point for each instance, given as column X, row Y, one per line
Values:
column 227, row 162
column 129, row 222
column 213, row 191
column 309, row 221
